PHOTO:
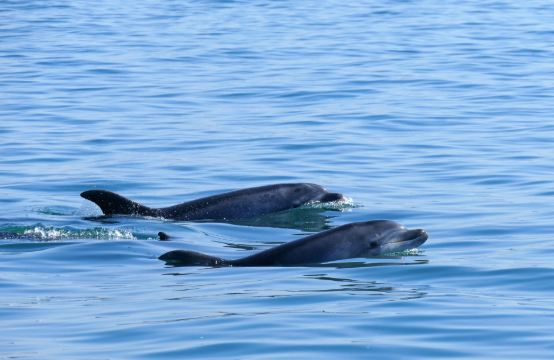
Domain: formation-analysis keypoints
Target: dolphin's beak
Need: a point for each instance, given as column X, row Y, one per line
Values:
column 410, row 239
column 417, row 234
column 415, row 237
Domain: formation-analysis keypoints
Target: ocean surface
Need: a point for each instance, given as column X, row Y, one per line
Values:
column 435, row 114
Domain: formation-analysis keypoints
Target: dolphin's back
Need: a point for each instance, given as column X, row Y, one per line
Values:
column 237, row 204
column 245, row 203
column 333, row 244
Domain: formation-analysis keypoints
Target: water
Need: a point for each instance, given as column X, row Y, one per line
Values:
column 434, row 114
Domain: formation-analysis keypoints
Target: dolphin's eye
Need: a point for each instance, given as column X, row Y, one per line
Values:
column 296, row 190
column 373, row 244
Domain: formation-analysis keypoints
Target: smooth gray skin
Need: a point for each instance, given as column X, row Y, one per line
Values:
column 355, row 240
column 240, row 204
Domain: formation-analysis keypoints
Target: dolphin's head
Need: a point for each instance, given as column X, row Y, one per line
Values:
column 385, row 236
column 304, row 193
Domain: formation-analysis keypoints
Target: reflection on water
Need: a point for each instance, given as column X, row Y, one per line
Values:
column 349, row 264
column 306, row 219
column 352, row 286
column 30, row 246
column 239, row 246
column 105, row 219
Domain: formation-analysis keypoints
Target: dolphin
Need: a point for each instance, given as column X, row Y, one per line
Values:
column 239, row 204
column 354, row 240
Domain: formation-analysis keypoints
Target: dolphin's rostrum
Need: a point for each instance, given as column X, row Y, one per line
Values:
column 355, row 240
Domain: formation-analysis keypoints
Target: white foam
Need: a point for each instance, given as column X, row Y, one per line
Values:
column 342, row 204
column 49, row 233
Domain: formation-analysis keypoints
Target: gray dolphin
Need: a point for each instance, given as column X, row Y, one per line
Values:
column 355, row 240
column 239, row 204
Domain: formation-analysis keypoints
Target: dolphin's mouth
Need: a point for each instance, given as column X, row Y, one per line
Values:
column 417, row 235
column 410, row 239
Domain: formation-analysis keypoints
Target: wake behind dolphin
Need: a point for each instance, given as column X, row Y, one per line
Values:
column 240, row 204
column 355, row 240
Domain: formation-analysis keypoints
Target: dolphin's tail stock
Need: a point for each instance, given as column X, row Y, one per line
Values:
column 112, row 203
column 192, row 258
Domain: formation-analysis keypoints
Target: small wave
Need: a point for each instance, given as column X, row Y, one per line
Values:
column 56, row 211
column 341, row 205
column 40, row 232
column 51, row 233
column 409, row 252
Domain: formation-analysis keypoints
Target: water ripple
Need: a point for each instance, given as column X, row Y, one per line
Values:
column 431, row 114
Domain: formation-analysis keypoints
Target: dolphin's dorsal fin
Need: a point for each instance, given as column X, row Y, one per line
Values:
column 111, row 204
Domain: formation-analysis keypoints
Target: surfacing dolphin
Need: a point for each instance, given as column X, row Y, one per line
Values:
column 355, row 240
column 239, row 204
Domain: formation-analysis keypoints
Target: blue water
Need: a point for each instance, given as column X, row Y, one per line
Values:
column 435, row 114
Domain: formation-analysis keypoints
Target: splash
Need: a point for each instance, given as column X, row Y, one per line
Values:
column 40, row 232
column 408, row 252
column 340, row 205
column 96, row 233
